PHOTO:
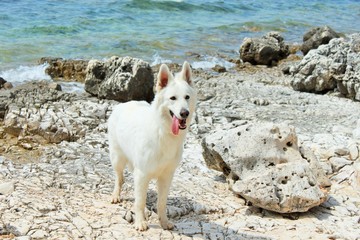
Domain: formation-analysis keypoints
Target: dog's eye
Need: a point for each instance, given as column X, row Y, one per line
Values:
column 173, row 98
column 187, row 97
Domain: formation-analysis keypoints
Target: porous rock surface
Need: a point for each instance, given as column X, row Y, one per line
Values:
column 65, row 69
column 120, row 79
column 267, row 50
column 332, row 66
column 64, row 192
column 265, row 162
column 40, row 112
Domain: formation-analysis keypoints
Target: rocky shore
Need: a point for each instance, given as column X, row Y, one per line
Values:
column 56, row 179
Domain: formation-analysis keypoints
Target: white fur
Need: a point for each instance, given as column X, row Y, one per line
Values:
column 140, row 136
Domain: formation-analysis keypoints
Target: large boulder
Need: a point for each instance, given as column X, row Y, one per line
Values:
column 267, row 50
column 65, row 70
column 265, row 165
column 334, row 65
column 316, row 37
column 120, row 79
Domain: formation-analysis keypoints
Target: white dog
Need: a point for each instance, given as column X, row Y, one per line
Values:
column 149, row 139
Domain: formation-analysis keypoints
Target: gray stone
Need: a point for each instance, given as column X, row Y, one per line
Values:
column 353, row 151
column 19, row 227
column 316, row 37
column 6, row 188
column 334, row 65
column 120, row 79
column 356, row 131
column 267, row 50
column 54, row 116
column 338, row 162
column 39, row 234
column 266, row 166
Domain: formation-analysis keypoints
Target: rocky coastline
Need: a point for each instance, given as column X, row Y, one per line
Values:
column 301, row 115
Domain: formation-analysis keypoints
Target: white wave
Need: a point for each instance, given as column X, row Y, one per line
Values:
column 25, row 73
column 157, row 59
column 72, row 87
column 210, row 62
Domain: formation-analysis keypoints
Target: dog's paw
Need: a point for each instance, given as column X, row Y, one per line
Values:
column 115, row 199
column 167, row 225
column 141, row 226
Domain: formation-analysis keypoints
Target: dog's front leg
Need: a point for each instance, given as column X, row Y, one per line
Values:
column 141, row 183
column 163, row 184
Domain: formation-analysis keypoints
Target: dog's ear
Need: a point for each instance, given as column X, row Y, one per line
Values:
column 163, row 77
column 186, row 72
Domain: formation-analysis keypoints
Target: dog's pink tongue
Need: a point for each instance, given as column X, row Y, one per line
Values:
column 175, row 125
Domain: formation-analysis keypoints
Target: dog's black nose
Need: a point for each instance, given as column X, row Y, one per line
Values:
column 184, row 113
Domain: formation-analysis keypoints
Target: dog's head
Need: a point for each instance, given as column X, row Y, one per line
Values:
column 176, row 97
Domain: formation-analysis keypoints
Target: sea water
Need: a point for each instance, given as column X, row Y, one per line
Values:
column 204, row 32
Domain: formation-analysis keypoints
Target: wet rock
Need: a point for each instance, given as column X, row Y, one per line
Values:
column 267, row 50
column 120, row 79
column 316, row 37
column 4, row 84
column 65, row 69
column 219, row 69
column 334, row 65
column 266, row 166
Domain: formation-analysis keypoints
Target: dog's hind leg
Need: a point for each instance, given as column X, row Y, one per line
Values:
column 118, row 162
column 163, row 185
column 141, row 182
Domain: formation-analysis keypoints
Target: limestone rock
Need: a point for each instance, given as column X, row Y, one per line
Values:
column 267, row 50
column 334, row 65
column 67, row 70
column 40, row 110
column 349, row 84
column 316, row 37
column 121, row 79
column 6, row 188
column 267, row 166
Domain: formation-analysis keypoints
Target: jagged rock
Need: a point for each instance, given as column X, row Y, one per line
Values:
column 316, row 37
column 336, row 64
column 267, row 50
column 39, row 109
column 349, row 84
column 267, row 167
column 2, row 82
column 120, row 79
column 68, row 70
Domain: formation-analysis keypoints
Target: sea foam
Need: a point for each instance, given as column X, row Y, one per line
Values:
column 23, row 74
column 209, row 62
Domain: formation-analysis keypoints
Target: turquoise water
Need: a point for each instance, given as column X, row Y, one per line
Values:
column 156, row 30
